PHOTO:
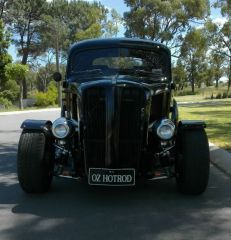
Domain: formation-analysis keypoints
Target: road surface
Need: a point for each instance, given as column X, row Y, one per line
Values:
column 73, row 210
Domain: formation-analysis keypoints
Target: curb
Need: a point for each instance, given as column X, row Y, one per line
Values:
column 29, row 111
column 220, row 158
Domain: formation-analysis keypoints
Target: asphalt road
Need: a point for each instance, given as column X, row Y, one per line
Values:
column 73, row 210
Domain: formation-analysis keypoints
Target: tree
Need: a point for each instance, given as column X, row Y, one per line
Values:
column 220, row 37
column 17, row 72
column 2, row 7
column 163, row 21
column 44, row 76
column 5, row 58
column 193, row 53
column 217, row 62
column 111, row 26
column 24, row 18
column 94, row 31
column 70, row 21
column 179, row 75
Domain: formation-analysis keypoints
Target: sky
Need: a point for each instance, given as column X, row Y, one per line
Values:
column 120, row 7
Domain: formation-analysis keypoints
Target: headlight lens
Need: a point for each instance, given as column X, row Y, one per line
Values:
column 166, row 129
column 60, row 128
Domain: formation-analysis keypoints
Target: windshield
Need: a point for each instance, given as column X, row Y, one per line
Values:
column 122, row 61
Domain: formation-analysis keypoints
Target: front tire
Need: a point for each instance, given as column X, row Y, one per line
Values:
column 193, row 161
column 35, row 162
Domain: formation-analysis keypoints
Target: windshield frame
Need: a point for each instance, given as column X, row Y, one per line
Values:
column 155, row 49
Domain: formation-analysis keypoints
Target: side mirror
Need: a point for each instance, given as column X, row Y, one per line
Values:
column 172, row 86
column 57, row 76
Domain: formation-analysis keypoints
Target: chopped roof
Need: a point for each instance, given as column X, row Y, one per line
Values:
column 117, row 42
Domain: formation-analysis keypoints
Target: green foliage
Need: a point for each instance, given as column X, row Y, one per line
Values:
column 16, row 71
column 5, row 102
column 44, row 76
column 7, row 94
column 12, row 90
column 220, row 38
column 163, row 21
column 111, row 26
column 94, row 31
column 48, row 98
column 68, row 21
column 179, row 74
column 218, row 96
column 185, row 93
column 193, row 55
column 24, row 20
column 5, row 58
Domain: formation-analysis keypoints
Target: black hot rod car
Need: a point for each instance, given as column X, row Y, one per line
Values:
column 118, row 123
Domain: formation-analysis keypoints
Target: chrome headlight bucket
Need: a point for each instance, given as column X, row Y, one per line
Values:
column 61, row 128
column 165, row 129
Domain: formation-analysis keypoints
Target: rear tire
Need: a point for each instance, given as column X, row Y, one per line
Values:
column 193, row 161
column 35, row 162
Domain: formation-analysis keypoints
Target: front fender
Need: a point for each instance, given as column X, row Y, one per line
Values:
column 37, row 125
column 191, row 124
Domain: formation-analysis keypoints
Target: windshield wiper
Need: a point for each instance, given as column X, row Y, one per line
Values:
column 88, row 72
column 152, row 76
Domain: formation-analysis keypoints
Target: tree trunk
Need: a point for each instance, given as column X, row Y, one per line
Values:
column 217, row 79
column 24, row 61
column 57, row 69
column 192, row 81
column 229, row 82
column 21, row 96
column 2, row 6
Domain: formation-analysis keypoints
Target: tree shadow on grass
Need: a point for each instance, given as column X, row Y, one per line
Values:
column 205, row 104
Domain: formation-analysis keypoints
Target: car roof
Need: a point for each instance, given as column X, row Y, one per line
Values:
column 117, row 42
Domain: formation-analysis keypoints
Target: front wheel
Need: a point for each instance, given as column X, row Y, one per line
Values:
column 35, row 162
column 193, row 161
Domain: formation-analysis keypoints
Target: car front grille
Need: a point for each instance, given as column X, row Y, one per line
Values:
column 94, row 126
column 112, row 122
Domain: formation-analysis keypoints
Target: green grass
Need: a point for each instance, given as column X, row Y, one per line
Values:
column 201, row 94
column 217, row 117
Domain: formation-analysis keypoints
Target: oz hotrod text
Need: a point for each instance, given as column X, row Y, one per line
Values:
column 105, row 178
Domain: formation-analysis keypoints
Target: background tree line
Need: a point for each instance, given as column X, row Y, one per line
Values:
column 42, row 32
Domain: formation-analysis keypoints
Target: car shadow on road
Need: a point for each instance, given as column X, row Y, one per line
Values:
column 149, row 209
column 8, row 158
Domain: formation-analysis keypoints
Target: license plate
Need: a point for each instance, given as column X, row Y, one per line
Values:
column 112, row 177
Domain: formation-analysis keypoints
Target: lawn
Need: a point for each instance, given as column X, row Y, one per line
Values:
column 201, row 94
column 217, row 116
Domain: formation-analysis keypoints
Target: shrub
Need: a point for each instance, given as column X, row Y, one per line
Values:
column 185, row 93
column 48, row 98
column 13, row 90
column 5, row 102
column 218, row 96
column 8, row 94
column 224, row 95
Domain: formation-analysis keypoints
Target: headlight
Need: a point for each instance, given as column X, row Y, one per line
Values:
column 60, row 128
column 166, row 129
